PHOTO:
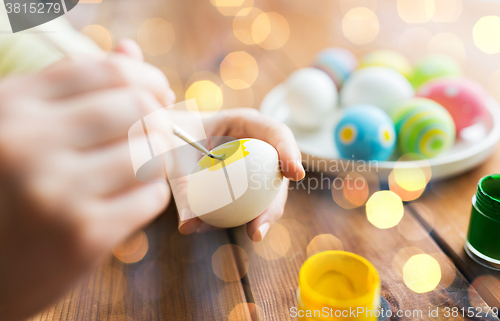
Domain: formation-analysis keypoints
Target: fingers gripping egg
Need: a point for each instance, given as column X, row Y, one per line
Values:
column 365, row 132
column 235, row 190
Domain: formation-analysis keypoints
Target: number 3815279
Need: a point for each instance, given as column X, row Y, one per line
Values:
column 48, row 7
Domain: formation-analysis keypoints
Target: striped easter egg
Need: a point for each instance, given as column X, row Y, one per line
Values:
column 424, row 127
column 338, row 63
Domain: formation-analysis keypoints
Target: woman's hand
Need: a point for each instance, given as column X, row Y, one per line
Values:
column 68, row 193
column 248, row 123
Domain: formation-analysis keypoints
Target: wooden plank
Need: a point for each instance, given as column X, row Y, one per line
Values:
column 274, row 266
column 174, row 281
column 445, row 209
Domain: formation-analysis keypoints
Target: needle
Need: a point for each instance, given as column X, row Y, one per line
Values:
column 182, row 135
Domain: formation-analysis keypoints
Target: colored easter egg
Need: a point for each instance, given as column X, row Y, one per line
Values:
column 424, row 127
column 311, row 96
column 378, row 86
column 390, row 59
column 365, row 132
column 338, row 63
column 432, row 67
column 464, row 98
column 236, row 190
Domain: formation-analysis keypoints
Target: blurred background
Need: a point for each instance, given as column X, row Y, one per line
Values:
column 230, row 53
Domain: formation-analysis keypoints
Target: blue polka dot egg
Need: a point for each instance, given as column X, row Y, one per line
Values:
column 365, row 132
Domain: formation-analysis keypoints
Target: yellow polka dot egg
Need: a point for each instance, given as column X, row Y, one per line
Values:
column 365, row 132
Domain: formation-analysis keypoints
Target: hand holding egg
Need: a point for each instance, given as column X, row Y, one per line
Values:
column 266, row 141
column 235, row 190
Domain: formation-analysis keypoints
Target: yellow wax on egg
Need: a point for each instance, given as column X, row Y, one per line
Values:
column 232, row 151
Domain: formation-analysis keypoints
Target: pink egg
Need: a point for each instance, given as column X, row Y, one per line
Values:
column 464, row 98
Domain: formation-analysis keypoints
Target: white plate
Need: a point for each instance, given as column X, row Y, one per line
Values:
column 472, row 148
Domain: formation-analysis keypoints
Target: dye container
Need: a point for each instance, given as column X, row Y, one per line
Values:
column 483, row 237
column 338, row 285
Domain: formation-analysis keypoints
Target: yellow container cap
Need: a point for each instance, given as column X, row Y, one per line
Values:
column 339, row 281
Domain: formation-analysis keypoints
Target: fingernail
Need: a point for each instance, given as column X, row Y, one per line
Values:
column 185, row 215
column 263, row 230
column 299, row 164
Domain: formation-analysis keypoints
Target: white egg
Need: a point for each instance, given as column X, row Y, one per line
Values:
column 378, row 86
column 311, row 96
column 236, row 190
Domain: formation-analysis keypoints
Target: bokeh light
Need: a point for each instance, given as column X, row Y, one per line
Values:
column 448, row 44
column 346, row 5
column 271, row 30
column 401, row 257
column 407, row 180
column 207, row 94
column 404, row 194
column 243, row 26
column 230, row 263
column 239, row 70
column 100, row 35
column 416, row 11
column 384, row 209
column 422, row 273
column 111, row 292
column 276, row 243
column 261, row 27
column 448, row 270
column 134, row 249
column 246, row 311
column 414, row 42
column 231, row 7
column 360, row 26
column 238, row 98
column 486, row 34
column 447, row 10
column 156, row 36
column 324, row 242
column 352, row 189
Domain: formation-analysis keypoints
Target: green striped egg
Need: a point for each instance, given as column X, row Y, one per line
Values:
column 424, row 127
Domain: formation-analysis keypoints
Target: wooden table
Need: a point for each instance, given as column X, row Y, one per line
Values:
column 177, row 280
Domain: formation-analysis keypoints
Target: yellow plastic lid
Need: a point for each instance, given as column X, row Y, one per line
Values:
column 339, row 280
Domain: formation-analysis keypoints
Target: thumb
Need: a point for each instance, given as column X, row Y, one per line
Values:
column 188, row 222
column 130, row 48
